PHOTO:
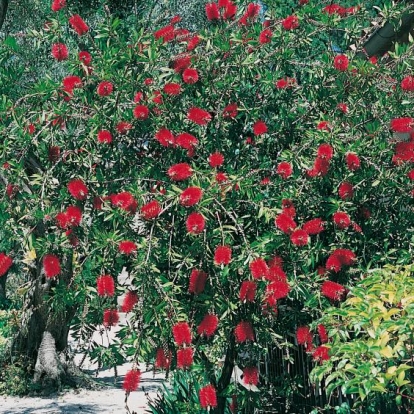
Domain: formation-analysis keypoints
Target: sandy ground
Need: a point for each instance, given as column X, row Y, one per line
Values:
column 109, row 400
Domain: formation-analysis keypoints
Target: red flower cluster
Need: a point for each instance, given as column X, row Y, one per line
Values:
column 321, row 354
column 69, row 218
column 195, row 223
column 276, row 290
column 141, row 112
column 323, row 335
column 299, row 237
column 5, row 263
column 216, row 159
column 290, row 23
column 110, row 317
column 105, row 285
column 165, row 33
column 123, row 127
column 208, row 325
column 230, row 111
column 127, row 247
column 208, row 397
column 402, row 125
column 341, row 63
column 190, row 76
column 85, row 57
column 285, row 223
column 185, row 358
column 51, row 265
column 259, row 128
column 339, row 258
column 131, row 380
column 314, row 226
column 198, row 280
column 343, row 107
column 252, row 11
column 78, row 189
column 222, row 255
column 125, row 201
column 404, row 152
column 265, row 36
column 276, row 274
column 191, row 196
column 247, row 291
column 182, row 333
column 352, row 161
column 258, row 268
column 151, row 210
column 407, row 84
column 285, row 83
column 229, row 10
column 199, row 116
column 58, row 5
column 322, row 161
column 70, row 83
column 104, row 137
column 284, row 169
column 341, row 219
column 251, row 376
column 163, row 361
column 130, row 300
column 186, row 141
column 165, row 137
column 346, row 190
column 78, row 25
column 173, row 89
column 60, row 51
column 333, row 290
column 105, row 88
column 244, row 332
column 304, row 336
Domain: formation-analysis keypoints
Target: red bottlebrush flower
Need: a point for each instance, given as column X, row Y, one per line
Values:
column 284, row 169
column 356, row 227
column 335, row 9
column 131, row 380
column 165, row 33
column 277, row 290
column 130, row 300
column 285, row 223
column 141, row 112
column 58, row 5
column 78, row 189
column 73, row 216
column 208, row 325
column 51, row 265
column 230, row 111
column 165, row 137
column 110, row 317
column 180, row 172
column 230, row 10
column 195, row 223
column 282, row 84
column 288, row 207
column 258, row 267
column 85, row 57
column 299, row 237
column 172, row 89
column 185, row 358
column 250, row 376
column 208, row 396
column 71, row 82
column 346, row 256
column 163, row 361
column 323, row 335
column 334, row 264
column 62, row 220
column 275, row 261
column 244, row 332
column 342, row 107
column 11, row 190
column 324, row 126
column 402, row 125
column 105, row 285
column 303, row 335
column 198, row 280
column 341, row 63
column 259, row 128
column 352, row 161
column 105, row 88
column 346, row 190
column 104, row 137
column 193, row 42
column 182, row 62
column 191, row 196
column 60, row 51
column 123, row 127
column 321, row 354
column 190, row 76
column 78, row 25
column 127, row 247
column 54, row 154
column 325, row 151
column 265, row 36
column 216, row 159
column 212, row 11
column 290, row 23
column 341, row 219
column 139, row 96
column 222, row 255
column 5, row 263
column 276, row 274
column 247, row 291
column 265, row 181
column 151, row 210
column 31, row 129
column 407, row 84
column 182, row 333
column 333, row 290
column 199, row 116
column 186, row 141
column 404, row 152
column 221, row 177
column 314, row 226
column 124, row 200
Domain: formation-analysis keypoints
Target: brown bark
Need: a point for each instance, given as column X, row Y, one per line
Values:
column 3, row 281
column 3, row 11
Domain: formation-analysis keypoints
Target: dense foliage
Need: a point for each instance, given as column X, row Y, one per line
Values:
column 244, row 176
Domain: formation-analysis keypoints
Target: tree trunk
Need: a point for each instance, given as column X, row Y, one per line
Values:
column 3, row 281
column 3, row 11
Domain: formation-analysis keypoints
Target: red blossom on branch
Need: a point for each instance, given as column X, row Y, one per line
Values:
column 180, row 172
column 141, row 112
column 110, row 317
column 60, row 51
column 130, row 300
column 299, row 237
column 185, row 358
column 190, row 76
column 182, row 333
column 198, row 280
column 51, row 265
column 216, row 159
column 151, row 210
column 5, row 263
column 290, row 23
column 323, row 335
column 208, row 397
column 247, row 291
column 105, row 285
column 58, row 5
column 165, row 137
column 104, row 137
column 222, row 255
column 341, row 63
column 199, row 116
column 314, row 226
column 251, row 376
column 195, row 223
column 244, row 332
column 258, row 268
column 208, row 325
column 333, row 290
column 346, row 190
column 78, row 189
column 131, row 380
column 285, row 223
column 191, row 196
column 78, row 25
column 259, row 128
column 163, row 360
column 127, row 247
column 321, row 354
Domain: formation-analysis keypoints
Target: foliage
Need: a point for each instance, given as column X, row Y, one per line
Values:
column 286, row 89
column 372, row 337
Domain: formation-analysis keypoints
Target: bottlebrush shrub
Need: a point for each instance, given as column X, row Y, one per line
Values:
column 119, row 156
